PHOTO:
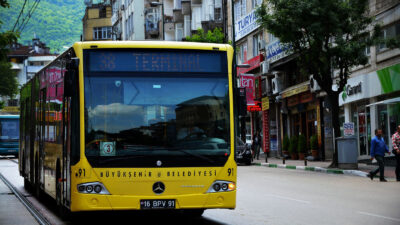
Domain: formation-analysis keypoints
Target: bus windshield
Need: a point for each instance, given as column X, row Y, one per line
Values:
column 150, row 119
column 9, row 129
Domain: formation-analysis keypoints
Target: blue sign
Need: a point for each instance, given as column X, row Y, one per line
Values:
column 276, row 51
column 348, row 129
column 246, row 25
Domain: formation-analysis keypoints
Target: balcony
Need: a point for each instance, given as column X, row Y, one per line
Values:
column 211, row 25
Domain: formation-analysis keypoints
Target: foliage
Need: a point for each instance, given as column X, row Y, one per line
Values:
column 293, row 144
column 314, row 142
column 2, row 104
column 215, row 36
column 302, row 144
column 285, row 143
column 326, row 35
column 57, row 23
column 8, row 80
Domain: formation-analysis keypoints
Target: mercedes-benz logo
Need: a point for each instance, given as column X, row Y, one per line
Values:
column 158, row 187
column 159, row 163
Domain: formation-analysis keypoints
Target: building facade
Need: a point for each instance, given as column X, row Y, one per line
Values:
column 26, row 60
column 371, row 99
column 97, row 21
column 282, row 101
column 170, row 20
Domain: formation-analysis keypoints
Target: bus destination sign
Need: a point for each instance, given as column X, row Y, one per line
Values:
column 157, row 61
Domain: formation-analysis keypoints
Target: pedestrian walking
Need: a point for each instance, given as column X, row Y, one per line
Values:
column 396, row 151
column 378, row 149
column 257, row 145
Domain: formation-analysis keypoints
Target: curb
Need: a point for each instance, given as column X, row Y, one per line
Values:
column 315, row 169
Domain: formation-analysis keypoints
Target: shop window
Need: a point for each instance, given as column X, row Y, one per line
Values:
column 341, row 121
column 382, row 121
column 394, row 118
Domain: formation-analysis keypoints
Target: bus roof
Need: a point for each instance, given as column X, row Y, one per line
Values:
column 152, row 44
column 9, row 116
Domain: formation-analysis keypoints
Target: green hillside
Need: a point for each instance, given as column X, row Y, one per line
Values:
column 57, row 23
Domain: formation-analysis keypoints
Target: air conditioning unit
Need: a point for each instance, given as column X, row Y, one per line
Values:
column 264, row 67
column 277, row 85
column 314, row 84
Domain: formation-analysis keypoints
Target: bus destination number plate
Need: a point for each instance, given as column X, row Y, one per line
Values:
column 157, row 204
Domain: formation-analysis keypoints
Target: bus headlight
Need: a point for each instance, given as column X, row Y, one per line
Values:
column 221, row 186
column 93, row 188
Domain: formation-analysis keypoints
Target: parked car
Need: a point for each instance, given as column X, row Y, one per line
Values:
column 243, row 152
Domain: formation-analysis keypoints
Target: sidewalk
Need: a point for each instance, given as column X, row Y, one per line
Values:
column 12, row 211
column 322, row 166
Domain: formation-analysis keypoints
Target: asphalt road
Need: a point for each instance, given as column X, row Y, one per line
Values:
column 265, row 196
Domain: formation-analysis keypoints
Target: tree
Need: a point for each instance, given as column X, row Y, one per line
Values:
column 215, row 36
column 328, row 36
column 8, row 80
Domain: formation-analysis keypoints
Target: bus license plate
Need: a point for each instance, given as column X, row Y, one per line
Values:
column 157, row 204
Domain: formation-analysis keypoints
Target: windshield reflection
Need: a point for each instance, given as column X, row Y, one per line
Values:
column 176, row 116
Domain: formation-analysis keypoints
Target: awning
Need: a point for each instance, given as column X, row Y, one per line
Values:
column 386, row 102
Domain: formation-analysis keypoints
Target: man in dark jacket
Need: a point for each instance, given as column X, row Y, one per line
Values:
column 378, row 149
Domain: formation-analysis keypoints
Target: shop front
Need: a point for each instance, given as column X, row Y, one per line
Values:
column 372, row 101
column 301, row 113
column 249, row 78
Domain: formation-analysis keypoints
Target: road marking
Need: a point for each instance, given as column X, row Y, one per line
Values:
column 291, row 199
column 379, row 216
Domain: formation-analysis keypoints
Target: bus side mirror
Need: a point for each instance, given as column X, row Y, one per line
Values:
column 71, row 76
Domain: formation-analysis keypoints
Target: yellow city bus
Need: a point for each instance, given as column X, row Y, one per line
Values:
column 132, row 125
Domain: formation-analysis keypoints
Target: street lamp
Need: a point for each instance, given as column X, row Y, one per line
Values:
column 154, row 4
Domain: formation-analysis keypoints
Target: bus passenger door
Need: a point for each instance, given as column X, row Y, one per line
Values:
column 66, row 175
column 42, row 134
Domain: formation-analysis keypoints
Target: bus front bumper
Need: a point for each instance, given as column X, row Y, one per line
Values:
column 96, row 202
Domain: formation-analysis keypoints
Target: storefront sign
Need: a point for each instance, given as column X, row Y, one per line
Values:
column 348, row 129
column 254, row 108
column 257, row 88
column 265, row 120
column 265, row 103
column 351, row 90
column 253, row 62
column 295, row 91
column 276, row 51
column 247, row 81
column 306, row 97
column 292, row 101
column 246, row 25
column 370, row 85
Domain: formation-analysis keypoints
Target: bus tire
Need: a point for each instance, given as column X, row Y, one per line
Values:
column 63, row 212
column 193, row 213
column 27, row 185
